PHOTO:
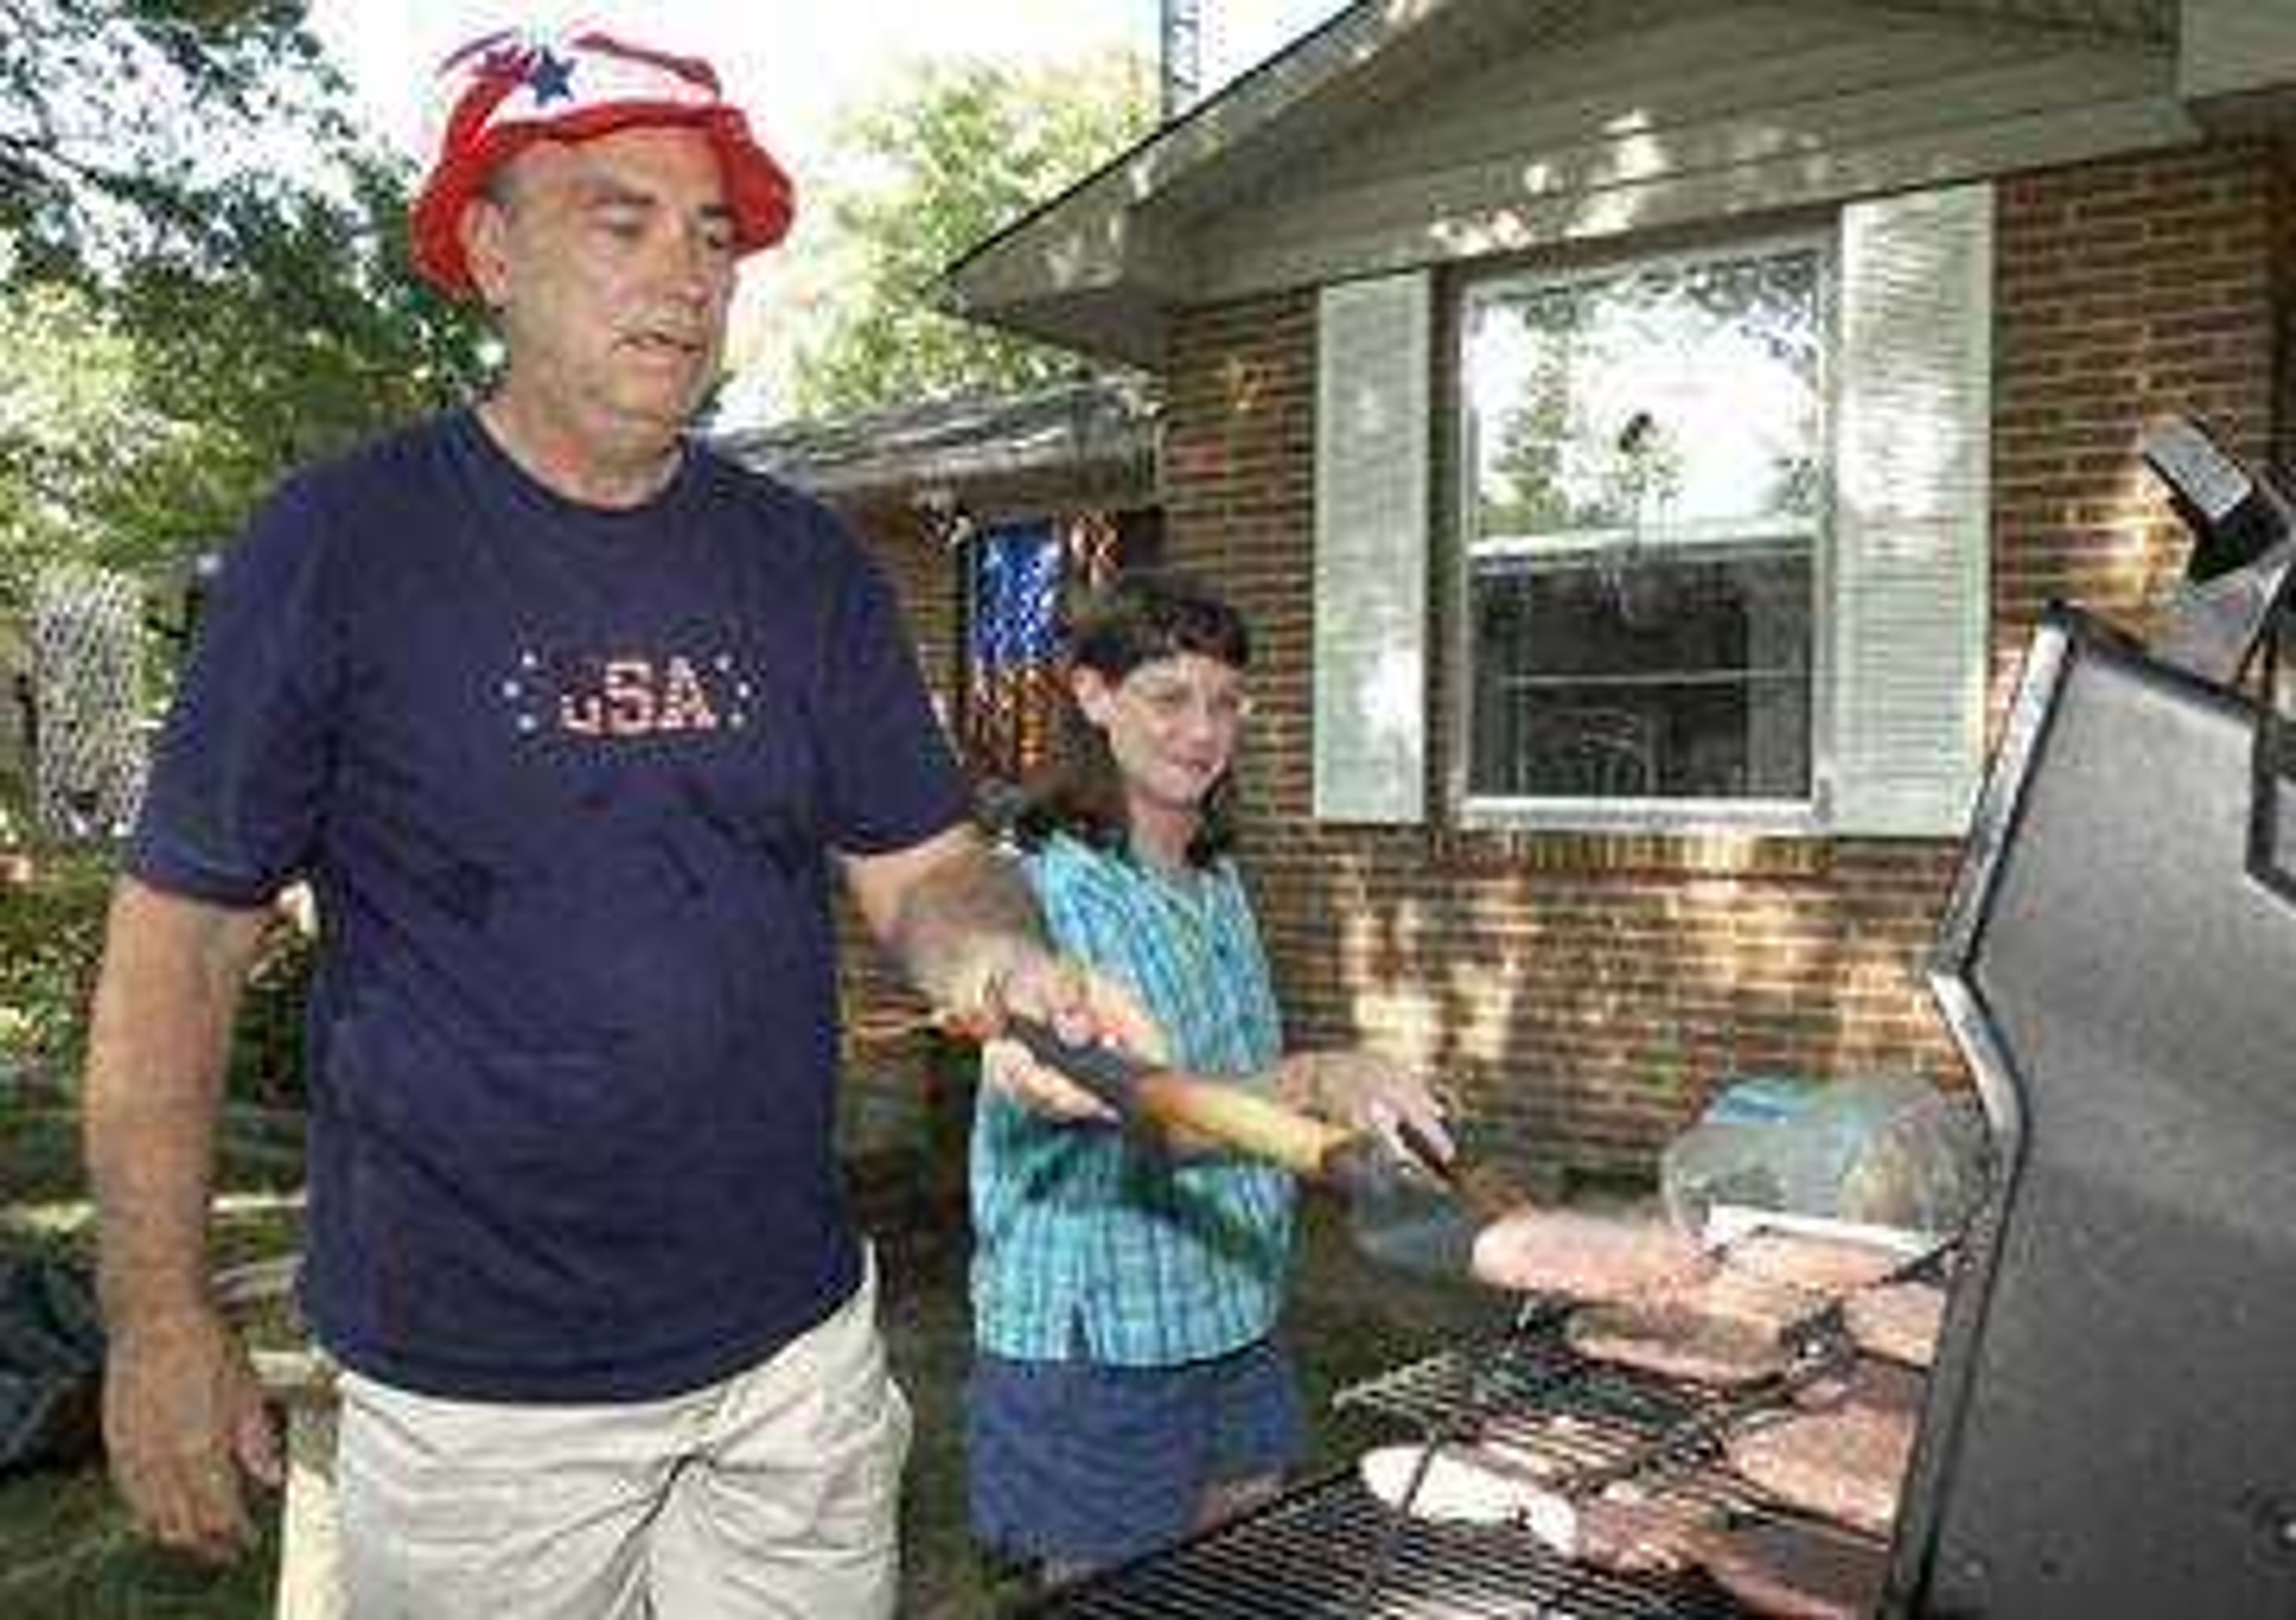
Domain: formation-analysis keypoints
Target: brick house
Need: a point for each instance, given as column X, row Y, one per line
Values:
column 1643, row 433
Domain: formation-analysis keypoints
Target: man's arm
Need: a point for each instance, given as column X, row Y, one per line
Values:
column 183, row 1414
column 964, row 929
column 958, row 920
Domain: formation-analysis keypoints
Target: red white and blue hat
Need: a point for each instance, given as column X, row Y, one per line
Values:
column 508, row 89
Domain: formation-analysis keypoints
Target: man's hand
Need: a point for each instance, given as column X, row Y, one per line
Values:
column 962, row 922
column 184, row 1419
column 1083, row 1008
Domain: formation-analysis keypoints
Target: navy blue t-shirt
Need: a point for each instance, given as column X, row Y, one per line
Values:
column 565, row 782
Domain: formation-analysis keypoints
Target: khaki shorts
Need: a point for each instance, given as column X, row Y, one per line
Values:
column 773, row 1494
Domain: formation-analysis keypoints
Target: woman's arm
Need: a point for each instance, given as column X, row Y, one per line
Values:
column 1364, row 1090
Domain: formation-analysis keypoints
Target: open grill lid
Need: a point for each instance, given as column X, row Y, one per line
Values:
column 2109, row 1430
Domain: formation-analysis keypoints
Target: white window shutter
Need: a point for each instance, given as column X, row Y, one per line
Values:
column 1372, row 436
column 1913, row 469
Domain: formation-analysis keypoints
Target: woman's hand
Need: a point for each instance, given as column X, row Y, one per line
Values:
column 1368, row 1092
column 1083, row 1008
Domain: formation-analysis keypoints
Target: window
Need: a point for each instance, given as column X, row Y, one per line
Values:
column 1645, row 505
column 1722, row 523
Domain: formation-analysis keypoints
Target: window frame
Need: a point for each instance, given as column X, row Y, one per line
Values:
column 1802, row 817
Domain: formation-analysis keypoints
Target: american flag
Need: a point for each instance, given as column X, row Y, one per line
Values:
column 1016, row 595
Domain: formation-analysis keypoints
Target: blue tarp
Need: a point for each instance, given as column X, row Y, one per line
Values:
column 51, row 1364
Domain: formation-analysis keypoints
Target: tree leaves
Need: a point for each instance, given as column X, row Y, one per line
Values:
column 117, row 119
column 204, row 273
column 955, row 154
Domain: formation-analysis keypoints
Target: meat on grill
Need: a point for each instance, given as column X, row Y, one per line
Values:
column 1461, row 1484
column 1830, row 1267
column 1675, row 1339
column 1584, row 1255
column 1900, row 1320
column 1629, row 1531
column 1724, row 1331
column 1625, row 1528
column 1883, row 1385
column 1796, row 1571
column 1844, row 1461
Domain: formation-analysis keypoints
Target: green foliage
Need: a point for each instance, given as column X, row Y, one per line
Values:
column 119, row 118
column 69, row 419
column 69, row 1553
column 297, row 333
column 50, row 944
column 51, row 937
column 266, row 1052
column 953, row 157
column 202, row 279
column 141, row 418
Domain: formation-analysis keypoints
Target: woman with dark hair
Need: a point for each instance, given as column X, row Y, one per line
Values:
column 1124, row 1388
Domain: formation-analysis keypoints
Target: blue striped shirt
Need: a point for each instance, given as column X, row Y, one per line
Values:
column 1082, row 1235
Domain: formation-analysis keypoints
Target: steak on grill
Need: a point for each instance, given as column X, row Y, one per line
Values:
column 1900, row 1320
column 1676, row 1339
column 1625, row 1528
column 1865, row 1381
column 1630, row 1532
column 1583, row 1255
column 1796, row 1571
column 1485, row 1484
column 1844, row 1461
column 1724, row 1331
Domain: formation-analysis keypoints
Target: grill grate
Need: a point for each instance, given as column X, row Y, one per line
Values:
column 1329, row 1550
column 1593, row 1422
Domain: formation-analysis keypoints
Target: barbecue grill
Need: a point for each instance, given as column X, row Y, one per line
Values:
column 2107, row 1432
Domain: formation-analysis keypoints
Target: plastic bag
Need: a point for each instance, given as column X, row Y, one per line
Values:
column 1884, row 1150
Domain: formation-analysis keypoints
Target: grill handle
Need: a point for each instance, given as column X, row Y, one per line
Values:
column 1173, row 1100
column 2242, row 564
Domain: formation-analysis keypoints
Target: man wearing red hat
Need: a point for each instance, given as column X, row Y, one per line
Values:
column 568, row 724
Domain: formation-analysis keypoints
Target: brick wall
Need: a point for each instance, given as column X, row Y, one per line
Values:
column 904, row 544
column 2127, row 289
column 1585, row 992
column 877, row 1003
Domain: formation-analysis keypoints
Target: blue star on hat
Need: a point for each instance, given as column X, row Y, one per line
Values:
column 551, row 77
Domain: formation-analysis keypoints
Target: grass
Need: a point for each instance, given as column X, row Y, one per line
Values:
column 66, row 1551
